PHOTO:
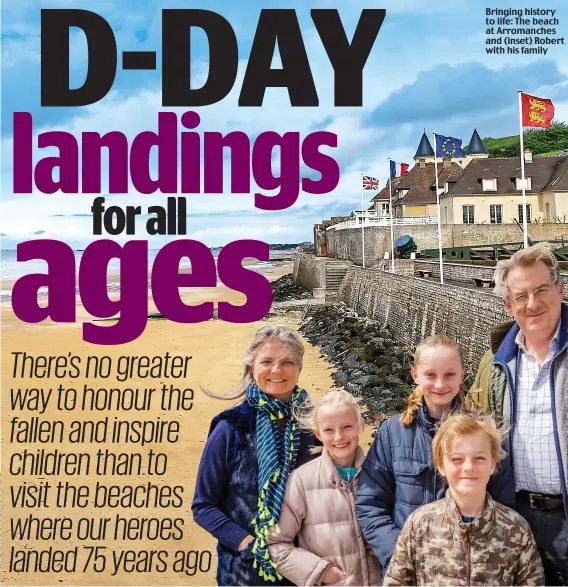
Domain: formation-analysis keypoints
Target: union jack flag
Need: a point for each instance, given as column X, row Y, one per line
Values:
column 370, row 183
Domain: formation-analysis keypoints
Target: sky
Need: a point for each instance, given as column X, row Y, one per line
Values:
column 428, row 70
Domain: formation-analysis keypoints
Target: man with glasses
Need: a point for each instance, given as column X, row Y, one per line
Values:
column 524, row 382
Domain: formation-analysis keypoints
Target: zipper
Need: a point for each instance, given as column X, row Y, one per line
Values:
column 365, row 567
column 468, row 558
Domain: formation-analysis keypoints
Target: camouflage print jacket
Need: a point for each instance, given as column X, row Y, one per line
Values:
column 436, row 547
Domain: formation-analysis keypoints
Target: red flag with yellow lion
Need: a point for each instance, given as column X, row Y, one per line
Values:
column 537, row 111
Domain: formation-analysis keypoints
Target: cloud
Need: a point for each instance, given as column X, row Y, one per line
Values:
column 445, row 91
column 428, row 69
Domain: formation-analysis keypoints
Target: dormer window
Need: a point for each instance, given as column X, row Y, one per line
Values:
column 519, row 183
column 489, row 185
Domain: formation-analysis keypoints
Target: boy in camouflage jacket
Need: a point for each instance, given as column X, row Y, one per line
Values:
column 466, row 538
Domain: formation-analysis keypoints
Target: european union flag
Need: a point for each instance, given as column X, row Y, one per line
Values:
column 448, row 147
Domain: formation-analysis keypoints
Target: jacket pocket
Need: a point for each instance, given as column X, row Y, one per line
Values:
column 411, row 479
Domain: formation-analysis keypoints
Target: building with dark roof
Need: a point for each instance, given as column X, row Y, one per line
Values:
column 489, row 191
column 381, row 202
column 415, row 194
column 476, row 188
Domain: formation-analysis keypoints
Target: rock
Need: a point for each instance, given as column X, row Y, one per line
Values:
column 369, row 380
column 369, row 368
column 340, row 377
column 369, row 362
column 284, row 289
column 350, row 363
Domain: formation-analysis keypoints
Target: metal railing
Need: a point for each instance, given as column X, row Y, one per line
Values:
column 383, row 221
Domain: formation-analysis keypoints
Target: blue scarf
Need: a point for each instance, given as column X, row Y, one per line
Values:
column 276, row 452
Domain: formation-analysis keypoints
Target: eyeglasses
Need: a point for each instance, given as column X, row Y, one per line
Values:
column 539, row 293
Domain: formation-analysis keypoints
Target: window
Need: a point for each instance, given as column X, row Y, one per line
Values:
column 468, row 214
column 385, row 208
column 489, row 185
column 496, row 213
column 519, row 183
column 529, row 216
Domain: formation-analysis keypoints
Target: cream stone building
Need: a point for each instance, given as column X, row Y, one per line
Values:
column 489, row 191
column 477, row 189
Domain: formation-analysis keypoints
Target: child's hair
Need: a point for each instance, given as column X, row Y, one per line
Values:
column 463, row 424
column 307, row 414
column 414, row 400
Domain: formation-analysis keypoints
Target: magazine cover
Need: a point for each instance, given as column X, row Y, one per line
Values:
column 213, row 211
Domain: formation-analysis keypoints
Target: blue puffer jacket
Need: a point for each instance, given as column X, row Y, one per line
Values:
column 226, row 492
column 398, row 477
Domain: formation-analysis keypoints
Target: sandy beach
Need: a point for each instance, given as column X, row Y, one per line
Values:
column 216, row 349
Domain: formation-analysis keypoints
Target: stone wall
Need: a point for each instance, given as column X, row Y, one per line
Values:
column 414, row 308
column 347, row 244
column 309, row 271
column 466, row 273
column 455, row 271
column 401, row 266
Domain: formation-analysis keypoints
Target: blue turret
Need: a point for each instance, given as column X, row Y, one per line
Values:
column 424, row 148
column 476, row 146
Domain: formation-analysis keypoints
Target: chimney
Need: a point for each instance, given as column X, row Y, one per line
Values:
column 528, row 155
column 422, row 162
column 446, row 163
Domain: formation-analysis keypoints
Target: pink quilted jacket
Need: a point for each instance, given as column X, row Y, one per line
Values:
column 319, row 508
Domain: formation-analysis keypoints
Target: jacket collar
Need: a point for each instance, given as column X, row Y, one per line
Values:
column 508, row 347
column 243, row 414
column 479, row 527
column 425, row 421
column 331, row 469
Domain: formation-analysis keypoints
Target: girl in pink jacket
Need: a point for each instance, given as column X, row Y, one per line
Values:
column 319, row 505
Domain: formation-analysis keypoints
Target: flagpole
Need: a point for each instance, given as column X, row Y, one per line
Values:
column 362, row 224
column 391, row 220
column 525, row 229
column 439, row 213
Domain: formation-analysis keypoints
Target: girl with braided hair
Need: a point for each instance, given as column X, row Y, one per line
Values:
column 250, row 452
column 398, row 475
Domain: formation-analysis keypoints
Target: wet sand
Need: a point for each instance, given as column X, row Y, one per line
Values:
column 216, row 349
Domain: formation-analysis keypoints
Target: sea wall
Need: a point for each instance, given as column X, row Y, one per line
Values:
column 347, row 244
column 309, row 271
column 464, row 272
column 414, row 308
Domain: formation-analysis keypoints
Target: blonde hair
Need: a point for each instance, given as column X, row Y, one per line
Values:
column 414, row 400
column 525, row 258
column 263, row 335
column 464, row 424
column 307, row 414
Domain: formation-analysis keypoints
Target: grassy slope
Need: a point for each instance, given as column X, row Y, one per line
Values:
column 493, row 144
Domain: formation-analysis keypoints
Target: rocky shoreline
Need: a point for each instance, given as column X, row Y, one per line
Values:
column 284, row 290
column 369, row 363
